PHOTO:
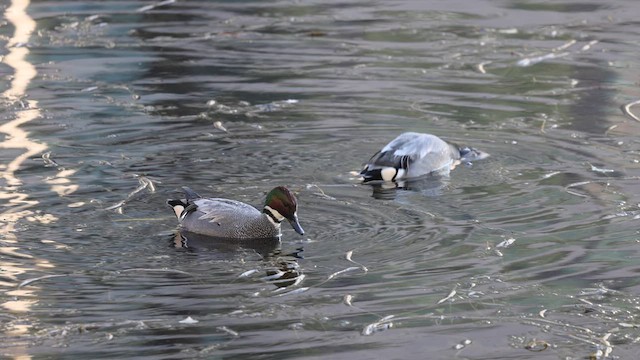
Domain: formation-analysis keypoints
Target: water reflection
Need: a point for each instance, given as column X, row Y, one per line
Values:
column 14, row 261
column 431, row 185
column 282, row 269
column 198, row 242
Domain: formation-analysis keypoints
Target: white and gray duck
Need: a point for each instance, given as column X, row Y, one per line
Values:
column 231, row 219
column 412, row 155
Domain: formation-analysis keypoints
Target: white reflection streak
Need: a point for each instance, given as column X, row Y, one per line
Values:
column 17, row 204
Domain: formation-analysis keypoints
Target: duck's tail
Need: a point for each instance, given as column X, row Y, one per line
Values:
column 387, row 173
column 371, row 175
column 179, row 205
column 190, row 194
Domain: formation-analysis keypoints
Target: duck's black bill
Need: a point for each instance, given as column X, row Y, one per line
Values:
column 296, row 225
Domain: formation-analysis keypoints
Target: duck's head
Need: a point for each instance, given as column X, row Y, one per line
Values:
column 282, row 204
column 472, row 154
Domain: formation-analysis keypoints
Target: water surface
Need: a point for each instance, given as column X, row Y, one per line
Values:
column 110, row 107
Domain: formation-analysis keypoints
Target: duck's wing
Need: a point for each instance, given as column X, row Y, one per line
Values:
column 207, row 209
column 221, row 210
column 431, row 155
column 219, row 217
column 416, row 145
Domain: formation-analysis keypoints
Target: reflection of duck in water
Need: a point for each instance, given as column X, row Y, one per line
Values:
column 230, row 219
column 282, row 270
column 197, row 242
column 413, row 155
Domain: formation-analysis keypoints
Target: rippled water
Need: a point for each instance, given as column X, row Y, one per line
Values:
column 110, row 106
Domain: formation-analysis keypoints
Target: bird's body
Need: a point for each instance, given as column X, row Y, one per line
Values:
column 231, row 219
column 412, row 155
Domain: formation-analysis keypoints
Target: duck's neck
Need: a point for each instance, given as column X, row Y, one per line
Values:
column 274, row 216
column 456, row 151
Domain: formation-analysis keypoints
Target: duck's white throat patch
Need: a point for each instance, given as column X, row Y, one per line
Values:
column 275, row 214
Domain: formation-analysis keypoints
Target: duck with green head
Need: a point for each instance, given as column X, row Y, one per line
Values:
column 231, row 219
